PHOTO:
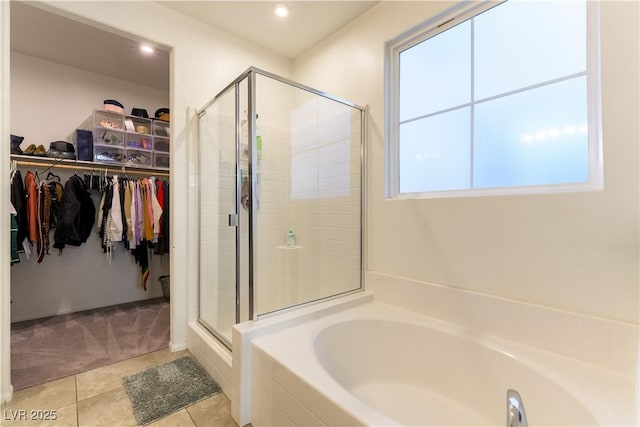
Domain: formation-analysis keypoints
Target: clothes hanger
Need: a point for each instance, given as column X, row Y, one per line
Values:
column 52, row 175
column 13, row 168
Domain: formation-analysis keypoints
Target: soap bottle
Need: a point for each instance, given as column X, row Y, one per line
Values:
column 291, row 238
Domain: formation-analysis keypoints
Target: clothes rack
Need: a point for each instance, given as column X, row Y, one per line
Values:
column 50, row 163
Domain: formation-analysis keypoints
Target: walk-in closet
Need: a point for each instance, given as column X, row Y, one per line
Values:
column 90, row 182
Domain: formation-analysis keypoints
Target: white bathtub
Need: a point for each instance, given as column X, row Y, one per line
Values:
column 374, row 364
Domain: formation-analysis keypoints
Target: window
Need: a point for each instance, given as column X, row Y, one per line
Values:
column 496, row 99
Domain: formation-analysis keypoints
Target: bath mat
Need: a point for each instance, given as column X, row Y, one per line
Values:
column 164, row 389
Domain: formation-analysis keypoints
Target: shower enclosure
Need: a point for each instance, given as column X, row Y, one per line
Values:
column 280, row 199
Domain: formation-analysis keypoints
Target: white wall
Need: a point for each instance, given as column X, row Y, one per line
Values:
column 577, row 252
column 49, row 100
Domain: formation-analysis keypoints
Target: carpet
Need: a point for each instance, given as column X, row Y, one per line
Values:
column 54, row 347
column 162, row 390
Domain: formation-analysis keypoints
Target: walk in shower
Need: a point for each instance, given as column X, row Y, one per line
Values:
column 280, row 199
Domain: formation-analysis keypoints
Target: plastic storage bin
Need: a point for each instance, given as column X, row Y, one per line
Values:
column 107, row 154
column 161, row 128
column 108, row 137
column 161, row 160
column 108, row 120
column 161, row 144
column 139, row 158
column 138, row 141
column 138, row 124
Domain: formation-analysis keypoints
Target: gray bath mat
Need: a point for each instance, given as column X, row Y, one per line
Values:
column 162, row 390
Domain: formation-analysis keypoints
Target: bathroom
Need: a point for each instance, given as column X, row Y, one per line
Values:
column 559, row 270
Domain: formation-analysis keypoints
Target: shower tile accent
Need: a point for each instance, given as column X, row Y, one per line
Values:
column 606, row 343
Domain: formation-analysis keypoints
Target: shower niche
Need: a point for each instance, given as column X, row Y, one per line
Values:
column 280, row 170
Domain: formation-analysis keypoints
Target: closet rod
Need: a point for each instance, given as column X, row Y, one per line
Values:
column 97, row 168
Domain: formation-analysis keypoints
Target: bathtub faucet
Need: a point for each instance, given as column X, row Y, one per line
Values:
column 516, row 416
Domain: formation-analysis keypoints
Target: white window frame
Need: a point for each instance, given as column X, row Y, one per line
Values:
column 445, row 21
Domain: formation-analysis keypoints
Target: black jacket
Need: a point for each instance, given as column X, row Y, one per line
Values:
column 77, row 214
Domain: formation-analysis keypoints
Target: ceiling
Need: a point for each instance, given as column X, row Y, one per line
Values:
column 39, row 33
column 308, row 22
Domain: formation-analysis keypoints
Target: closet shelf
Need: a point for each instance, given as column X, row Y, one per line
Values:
column 49, row 162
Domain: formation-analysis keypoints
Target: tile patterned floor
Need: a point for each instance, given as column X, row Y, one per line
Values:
column 97, row 398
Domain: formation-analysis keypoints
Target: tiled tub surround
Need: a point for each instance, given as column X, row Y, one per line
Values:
column 290, row 386
column 211, row 355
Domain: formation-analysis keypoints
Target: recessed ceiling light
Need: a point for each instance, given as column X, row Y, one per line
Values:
column 281, row 10
column 146, row 48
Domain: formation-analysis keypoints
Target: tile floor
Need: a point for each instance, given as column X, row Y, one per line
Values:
column 97, row 398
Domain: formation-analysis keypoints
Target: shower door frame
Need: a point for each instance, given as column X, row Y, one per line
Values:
column 250, row 75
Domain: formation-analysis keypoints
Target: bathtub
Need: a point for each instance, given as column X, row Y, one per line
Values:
column 376, row 365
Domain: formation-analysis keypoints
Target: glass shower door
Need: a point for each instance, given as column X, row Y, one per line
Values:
column 217, row 156
column 276, row 159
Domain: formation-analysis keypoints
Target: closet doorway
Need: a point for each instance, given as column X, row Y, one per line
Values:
column 105, row 300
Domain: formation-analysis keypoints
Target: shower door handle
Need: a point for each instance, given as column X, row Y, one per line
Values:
column 233, row 220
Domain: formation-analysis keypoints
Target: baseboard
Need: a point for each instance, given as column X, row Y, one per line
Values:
column 70, row 310
column 7, row 396
column 177, row 346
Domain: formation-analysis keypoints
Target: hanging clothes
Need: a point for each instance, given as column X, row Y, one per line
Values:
column 159, row 246
column 137, row 212
column 163, row 240
column 160, row 198
column 107, row 199
column 141, row 254
column 114, row 230
column 156, row 209
column 148, row 209
column 43, row 217
column 77, row 215
column 19, row 202
column 57, row 190
column 31, row 190
column 128, row 232
column 100, row 213
column 14, row 235
column 123, row 216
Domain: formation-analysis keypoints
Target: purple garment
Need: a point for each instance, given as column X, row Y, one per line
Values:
column 136, row 225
